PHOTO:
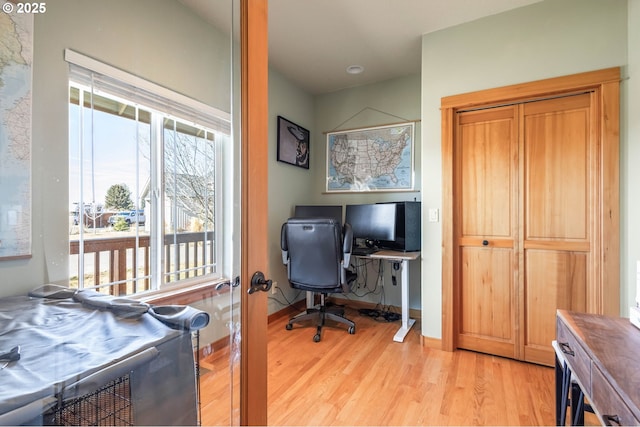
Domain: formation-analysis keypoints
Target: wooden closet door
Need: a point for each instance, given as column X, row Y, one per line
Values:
column 524, row 186
column 486, row 163
column 559, row 157
column 558, row 245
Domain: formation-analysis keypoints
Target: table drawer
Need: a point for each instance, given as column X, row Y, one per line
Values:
column 575, row 356
column 609, row 403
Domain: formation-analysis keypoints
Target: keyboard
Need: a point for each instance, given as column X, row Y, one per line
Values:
column 360, row 251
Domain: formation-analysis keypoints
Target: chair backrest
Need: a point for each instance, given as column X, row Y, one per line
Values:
column 315, row 253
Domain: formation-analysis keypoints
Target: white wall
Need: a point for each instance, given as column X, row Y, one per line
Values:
column 547, row 39
column 159, row 40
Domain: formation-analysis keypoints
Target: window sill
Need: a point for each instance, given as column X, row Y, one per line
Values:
column 184, row 293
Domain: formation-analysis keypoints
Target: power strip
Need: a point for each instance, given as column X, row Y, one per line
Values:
column 389, row 316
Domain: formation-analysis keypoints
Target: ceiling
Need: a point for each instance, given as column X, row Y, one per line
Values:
column 312, row 42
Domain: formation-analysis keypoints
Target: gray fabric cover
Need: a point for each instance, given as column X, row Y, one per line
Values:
column 69, row 347
column 180, row 316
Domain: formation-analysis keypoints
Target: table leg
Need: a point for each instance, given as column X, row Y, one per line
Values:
column 407, row 323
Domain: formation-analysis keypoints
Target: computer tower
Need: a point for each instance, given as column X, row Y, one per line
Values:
column 408, row 228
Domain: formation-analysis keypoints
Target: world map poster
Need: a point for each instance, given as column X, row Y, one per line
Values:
column 16, row 54
column 371, row 159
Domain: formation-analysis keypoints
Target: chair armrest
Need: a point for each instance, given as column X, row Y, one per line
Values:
column 347, row 244
column 283, row 244
column 346, row 261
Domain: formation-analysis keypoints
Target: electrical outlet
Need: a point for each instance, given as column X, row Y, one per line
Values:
column 274, row 288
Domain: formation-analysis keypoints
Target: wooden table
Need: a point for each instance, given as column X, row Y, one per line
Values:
column 603, row 354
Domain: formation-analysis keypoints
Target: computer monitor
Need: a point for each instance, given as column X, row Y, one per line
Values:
column 408, row 231
column 319, row 211
column 372, row 222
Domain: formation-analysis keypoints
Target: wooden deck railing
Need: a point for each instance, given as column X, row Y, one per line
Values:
column 114, row 263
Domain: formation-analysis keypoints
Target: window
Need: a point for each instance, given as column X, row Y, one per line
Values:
column 144, row 182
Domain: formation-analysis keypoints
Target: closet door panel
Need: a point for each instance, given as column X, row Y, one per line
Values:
column 486, row 170
column 486, row 301
column 558, row 213
column 485, row 173
column 557, row 164
column 554, row 280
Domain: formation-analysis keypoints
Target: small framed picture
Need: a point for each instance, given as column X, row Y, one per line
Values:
column 293, row 143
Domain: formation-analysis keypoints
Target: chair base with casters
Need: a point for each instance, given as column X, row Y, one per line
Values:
column 319, row 316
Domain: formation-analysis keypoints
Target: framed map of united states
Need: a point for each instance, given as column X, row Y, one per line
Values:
column 371, row 159
column 16, row 53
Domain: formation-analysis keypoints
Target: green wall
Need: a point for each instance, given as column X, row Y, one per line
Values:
column 386, row 102
column 153, row 39
column 546, row 39
column 288, row 185
column 629, row 159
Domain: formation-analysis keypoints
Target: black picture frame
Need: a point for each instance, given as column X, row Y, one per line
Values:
column 293, row 143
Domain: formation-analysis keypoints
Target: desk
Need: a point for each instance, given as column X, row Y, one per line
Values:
column 602, row 353
column 403, row 258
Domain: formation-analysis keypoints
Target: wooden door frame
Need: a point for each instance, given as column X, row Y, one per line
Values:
column 254, row 209
column 606, row 84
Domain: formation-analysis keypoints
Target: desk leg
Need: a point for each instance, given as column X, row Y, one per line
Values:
column 407, row 323
column 563, row 383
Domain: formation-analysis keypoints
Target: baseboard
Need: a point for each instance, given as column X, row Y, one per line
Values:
column 433, row 343
column 294, row 308
column 222, row 343
column 206, row 350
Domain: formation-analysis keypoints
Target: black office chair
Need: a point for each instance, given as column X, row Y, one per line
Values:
column 317, row 252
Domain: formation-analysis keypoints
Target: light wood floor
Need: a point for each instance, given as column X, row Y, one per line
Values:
column 368, row 379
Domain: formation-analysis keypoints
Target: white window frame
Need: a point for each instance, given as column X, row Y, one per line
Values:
column 162, row 103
